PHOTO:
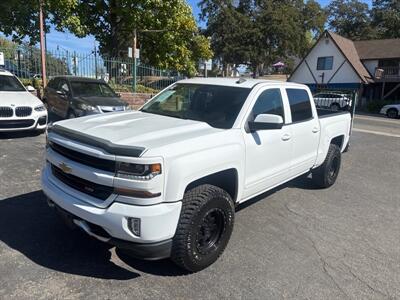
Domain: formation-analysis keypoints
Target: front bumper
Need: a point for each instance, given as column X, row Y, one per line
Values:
column 37, row 121
column 158, row 222
column 148, row 251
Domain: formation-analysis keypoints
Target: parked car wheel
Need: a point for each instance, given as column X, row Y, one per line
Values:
column 335, row 107
column 204, row 228
column 392, row 113
column 325, row 175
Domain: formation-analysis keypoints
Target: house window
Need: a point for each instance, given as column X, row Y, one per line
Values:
column 325, row 63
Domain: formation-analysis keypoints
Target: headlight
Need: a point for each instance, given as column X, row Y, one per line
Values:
column 40, row 107
column 86, row 107
column 137, row 171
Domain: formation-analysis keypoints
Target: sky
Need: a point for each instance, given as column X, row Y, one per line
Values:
column 68, row 41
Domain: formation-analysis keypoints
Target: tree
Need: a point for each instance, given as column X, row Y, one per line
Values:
column 178, row 45
column 351, row 19
column 256, row 33
column 386, row 18
column 20, row 18
column 172, row 41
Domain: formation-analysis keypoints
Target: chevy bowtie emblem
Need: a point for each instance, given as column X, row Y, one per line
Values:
column 64, row 167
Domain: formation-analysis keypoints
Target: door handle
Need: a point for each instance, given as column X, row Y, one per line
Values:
column 286, row 137
column 315, row 130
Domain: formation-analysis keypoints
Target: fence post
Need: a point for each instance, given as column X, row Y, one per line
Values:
column 134, row 75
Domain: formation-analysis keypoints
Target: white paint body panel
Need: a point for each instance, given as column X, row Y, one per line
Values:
column 189, row 150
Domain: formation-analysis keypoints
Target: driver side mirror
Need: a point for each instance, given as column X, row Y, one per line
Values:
column 266, row 121
column 62, row 93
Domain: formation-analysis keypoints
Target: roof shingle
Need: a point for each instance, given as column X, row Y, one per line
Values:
column 378, row 49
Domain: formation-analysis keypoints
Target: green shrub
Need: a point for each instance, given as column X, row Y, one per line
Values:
column 374, row 106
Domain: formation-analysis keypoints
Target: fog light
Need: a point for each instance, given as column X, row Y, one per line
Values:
column 134, row 226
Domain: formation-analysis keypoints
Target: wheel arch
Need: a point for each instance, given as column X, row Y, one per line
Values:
column 338, row 140
column 227, row 179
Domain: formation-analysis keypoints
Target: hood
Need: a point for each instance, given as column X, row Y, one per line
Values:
column 102, row 101
column 137, row 129
column 18, row 99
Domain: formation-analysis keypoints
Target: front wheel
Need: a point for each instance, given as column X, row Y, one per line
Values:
column 325, row 175
column 204, row 228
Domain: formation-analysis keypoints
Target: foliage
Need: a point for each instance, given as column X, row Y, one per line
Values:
column 386, row 18
column 20, row 18
column 350, row 18
column 374, row 106
column 125, row 88
column 355, row 20
column 176, row 43
column 256, row 33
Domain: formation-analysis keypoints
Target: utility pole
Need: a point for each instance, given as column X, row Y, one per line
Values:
column 95, row 59
column 42, row 44
column 134, row 60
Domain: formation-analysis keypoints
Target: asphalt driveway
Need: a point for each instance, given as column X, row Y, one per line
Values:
column 294, row 242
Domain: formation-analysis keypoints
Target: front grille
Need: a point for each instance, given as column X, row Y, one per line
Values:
column 84, row 186
column 98, row 163
column 16, row 123
column 6, row 112
column 23, row 111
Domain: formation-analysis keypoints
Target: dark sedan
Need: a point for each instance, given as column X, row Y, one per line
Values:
column 70, row 97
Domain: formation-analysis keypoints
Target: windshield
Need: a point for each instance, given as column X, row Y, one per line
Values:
column 218, row 106
column 10, row 84
column 91, row 89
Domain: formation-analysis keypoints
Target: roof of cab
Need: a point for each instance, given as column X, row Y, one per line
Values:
column 77, row 78
column 235, row 82
column 5, row 72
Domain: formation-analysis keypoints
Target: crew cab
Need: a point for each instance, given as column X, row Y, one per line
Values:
column 19, row 108
column 164, row 181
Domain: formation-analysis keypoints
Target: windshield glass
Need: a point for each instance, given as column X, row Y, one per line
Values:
column 218, row 106
column 91, row 89
column 10, row 84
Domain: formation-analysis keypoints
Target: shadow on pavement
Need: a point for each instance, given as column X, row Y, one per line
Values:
column 19, row 134
column 29, row 226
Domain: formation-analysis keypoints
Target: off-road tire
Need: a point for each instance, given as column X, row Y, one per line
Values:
column 197, row 206
column 325, row 175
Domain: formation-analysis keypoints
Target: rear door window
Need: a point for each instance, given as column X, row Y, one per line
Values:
column 300, row 105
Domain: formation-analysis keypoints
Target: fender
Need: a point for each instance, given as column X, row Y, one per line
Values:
column 183, row 170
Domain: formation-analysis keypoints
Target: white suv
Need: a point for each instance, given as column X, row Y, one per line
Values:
column 334, row 101
column 19, row 109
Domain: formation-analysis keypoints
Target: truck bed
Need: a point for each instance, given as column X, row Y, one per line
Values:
column 325, row 113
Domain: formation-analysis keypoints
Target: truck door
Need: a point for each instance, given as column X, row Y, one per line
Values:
column 305, row 130
column 268, row 151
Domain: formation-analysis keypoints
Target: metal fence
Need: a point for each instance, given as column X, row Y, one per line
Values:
column 24, row 62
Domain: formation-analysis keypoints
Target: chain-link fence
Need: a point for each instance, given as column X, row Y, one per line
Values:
column 24, row 62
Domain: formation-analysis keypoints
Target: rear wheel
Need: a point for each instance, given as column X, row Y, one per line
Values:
column 204, row 228
column 392, row 113
column 325, row 175
column 335, row 107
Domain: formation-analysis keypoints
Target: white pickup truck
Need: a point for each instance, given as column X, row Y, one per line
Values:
column 164, row 181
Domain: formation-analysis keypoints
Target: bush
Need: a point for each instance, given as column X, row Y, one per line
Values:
column 374, row 106
column 125, row 88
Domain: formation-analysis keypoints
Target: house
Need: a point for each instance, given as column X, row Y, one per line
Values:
column 370, row 67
